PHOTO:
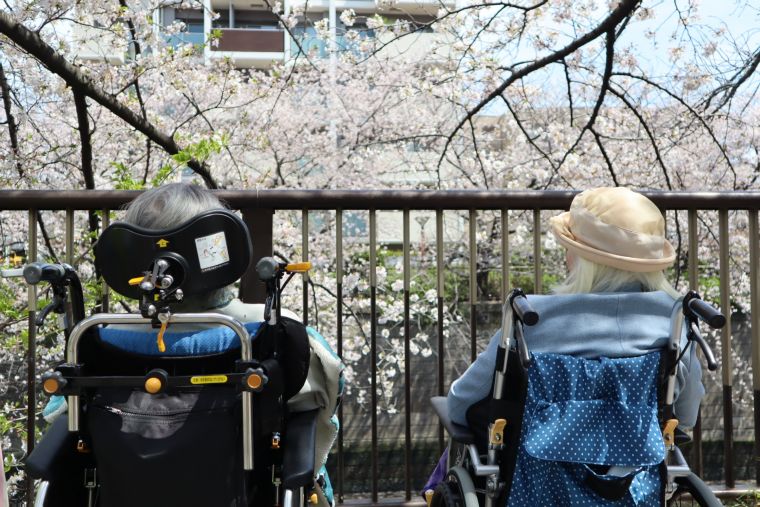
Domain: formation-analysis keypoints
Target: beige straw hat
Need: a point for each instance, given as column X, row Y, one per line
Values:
column 615, row 227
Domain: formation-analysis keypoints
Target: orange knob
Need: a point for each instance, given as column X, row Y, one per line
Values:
column 254, row 381
column 50, row 386
column 153, row 385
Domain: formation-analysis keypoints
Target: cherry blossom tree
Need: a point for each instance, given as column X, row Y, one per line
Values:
column 510, row 95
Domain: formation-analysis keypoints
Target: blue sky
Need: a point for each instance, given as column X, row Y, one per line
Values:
column 739, row 19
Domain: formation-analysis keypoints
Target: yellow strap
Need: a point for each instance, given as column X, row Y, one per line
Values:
column 136, row 280
column 160, row 337
column 496, row 436
column 298, row 267
column 668, row 432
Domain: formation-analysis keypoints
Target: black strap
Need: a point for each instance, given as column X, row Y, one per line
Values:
column 609, row 487
column 501, row 356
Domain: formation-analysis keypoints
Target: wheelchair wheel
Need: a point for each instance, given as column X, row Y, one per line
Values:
column 456, row 490
column 457, row 454
column 40, row 499
column 691, row 490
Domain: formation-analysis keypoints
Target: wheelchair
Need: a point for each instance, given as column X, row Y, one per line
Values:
column 554, row 433
column 193, row 418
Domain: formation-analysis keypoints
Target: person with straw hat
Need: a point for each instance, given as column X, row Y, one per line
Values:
column 615, row 242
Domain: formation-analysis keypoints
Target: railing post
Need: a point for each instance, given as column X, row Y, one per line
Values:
column 31, row 355
column 537, row 271
column 504, row 254
column 407, row 362
column 697, row 459
column 725, row 306
column 440, row 285
column 305, row 257
column 339, row 338
column 473, row 285
column 373, row 345
column 260, row 225
column 105, row 222
column 755, row 322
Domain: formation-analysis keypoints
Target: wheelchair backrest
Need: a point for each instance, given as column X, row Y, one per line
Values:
column 590, row 425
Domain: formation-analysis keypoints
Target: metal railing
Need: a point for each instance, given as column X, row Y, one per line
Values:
column 258, row 208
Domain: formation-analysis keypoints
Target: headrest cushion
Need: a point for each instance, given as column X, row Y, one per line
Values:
column 208, row 252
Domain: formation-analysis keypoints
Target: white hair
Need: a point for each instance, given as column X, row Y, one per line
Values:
column 586, row 276
column 170, row 205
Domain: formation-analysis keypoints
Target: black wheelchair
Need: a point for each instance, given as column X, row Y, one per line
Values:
column 185, row 419
column 513, row 455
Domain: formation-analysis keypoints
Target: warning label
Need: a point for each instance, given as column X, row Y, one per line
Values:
column 209, row 379
column 212, row 251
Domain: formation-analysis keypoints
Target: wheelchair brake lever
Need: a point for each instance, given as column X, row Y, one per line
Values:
column 55, row 305
column 695, row 336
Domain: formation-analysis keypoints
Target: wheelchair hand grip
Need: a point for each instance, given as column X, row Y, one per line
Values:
column 524, row 311
column 267, row 268
column 696, row 336
column 37, row 272
column 706, row 312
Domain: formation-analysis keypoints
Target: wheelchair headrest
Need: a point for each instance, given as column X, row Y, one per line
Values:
column 208, row 252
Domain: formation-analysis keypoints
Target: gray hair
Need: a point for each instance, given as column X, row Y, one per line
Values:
column 170, row 205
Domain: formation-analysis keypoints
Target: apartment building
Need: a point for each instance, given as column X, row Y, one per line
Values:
column 251, row 36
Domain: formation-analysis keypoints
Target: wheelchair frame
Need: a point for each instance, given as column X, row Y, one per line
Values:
column 69, row 382
column 72, row 352
column 516, row 313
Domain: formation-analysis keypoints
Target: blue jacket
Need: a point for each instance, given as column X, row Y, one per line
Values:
column 591, row 326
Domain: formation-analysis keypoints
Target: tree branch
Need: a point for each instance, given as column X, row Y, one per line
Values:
column 85, row 139
column 12, row 125
column 33, row 44
column 138, row 51
column 649, row 133
column 729, row 89
column 623, row 10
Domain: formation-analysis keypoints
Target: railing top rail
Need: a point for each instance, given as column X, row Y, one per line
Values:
column 373, row 199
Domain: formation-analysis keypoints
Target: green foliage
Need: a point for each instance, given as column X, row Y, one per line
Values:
column 215, row 35
column 200, row 151
column 748, row 499
column 9, row 307
column 122, row 178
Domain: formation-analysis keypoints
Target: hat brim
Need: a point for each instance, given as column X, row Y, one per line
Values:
column 561, row 229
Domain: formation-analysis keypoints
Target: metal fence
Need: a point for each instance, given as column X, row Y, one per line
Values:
column 258, row 208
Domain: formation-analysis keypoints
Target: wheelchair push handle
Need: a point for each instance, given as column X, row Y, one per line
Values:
column 37, row 272
column 696, row 307
column 523, row 309
column 268, row 268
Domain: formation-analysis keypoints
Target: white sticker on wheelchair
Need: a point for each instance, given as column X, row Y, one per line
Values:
column 212, row 251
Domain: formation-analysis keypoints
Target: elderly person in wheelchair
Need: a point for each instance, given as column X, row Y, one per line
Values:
column 160, row 419
column 580, row 406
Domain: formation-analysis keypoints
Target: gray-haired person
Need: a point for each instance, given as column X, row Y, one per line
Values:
column 172, row 205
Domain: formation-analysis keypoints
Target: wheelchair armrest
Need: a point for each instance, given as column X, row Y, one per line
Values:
column 300, row 448
column 459, row 433
column 54, row 452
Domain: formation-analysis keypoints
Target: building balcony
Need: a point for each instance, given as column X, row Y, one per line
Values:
column 428, row 7
column 250, row 47
column 194, row 38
